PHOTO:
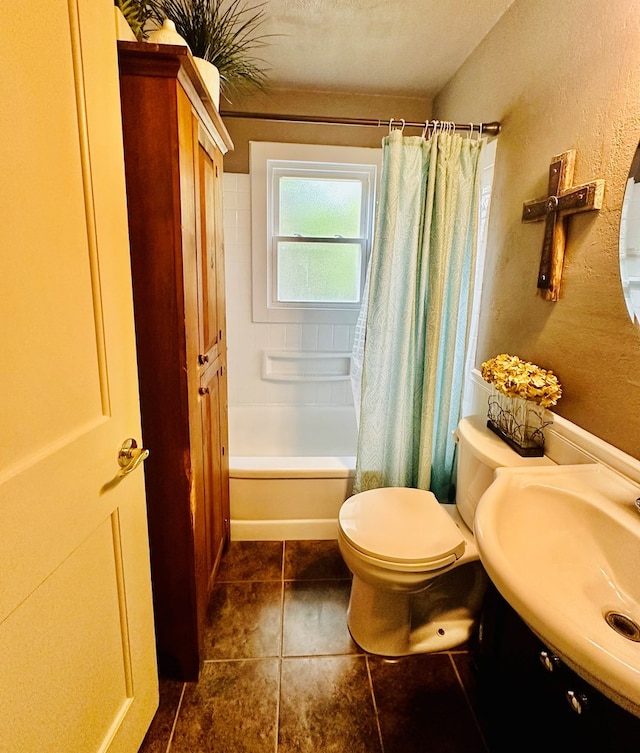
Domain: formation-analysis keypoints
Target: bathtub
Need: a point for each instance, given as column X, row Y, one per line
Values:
column 290, row 470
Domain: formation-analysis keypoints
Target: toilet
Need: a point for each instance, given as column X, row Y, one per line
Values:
column 418, row 584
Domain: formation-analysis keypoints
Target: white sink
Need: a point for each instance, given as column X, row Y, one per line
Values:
column 562, row 545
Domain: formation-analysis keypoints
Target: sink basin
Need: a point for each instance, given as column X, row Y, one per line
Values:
column 562, row 545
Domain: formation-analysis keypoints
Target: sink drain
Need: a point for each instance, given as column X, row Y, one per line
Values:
column 623, row 625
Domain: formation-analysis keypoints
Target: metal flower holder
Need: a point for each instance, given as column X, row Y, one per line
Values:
column 518, row 422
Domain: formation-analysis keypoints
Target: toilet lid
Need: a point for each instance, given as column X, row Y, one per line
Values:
column 401, row 525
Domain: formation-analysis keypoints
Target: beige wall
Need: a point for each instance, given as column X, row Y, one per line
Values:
column 318, row 104
column 561, row 75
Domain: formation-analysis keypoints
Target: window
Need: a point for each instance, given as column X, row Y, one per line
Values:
column 319, row 234
column 313, row 211
column 487, row 161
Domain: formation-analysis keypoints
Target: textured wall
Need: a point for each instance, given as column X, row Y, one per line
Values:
column 317, row 104
column 561, row 75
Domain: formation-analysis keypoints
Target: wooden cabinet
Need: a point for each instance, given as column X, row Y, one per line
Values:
column 174, row 141
column 529, row 699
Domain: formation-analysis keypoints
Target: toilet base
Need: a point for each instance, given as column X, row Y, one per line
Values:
column 442, row 616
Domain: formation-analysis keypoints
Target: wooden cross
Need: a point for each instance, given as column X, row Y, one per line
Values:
column 563, row 199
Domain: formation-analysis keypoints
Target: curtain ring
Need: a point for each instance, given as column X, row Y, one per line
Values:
column 403, row 122
column 480, row 134
column 391, row 124
column 425, row 129
column 470, row 130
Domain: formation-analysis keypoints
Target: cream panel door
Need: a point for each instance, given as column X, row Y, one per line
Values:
column 77, row 650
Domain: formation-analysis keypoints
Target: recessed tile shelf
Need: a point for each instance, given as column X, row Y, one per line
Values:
column 299, row 366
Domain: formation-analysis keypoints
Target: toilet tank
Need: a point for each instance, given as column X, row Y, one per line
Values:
column 480, row 452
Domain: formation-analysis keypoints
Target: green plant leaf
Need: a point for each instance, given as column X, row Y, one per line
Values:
column 136, row 13
column 224, row 32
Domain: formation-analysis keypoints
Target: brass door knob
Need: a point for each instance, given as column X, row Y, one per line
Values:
column 130, row 456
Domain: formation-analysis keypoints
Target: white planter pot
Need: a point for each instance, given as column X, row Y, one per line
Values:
column 167, row 34
column 211, row 78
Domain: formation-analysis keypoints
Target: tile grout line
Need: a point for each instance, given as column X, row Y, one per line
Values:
column 175, row 718
column 375, row 705
column 280, row 648
column 240, row 659
column 288, row 578
column 468, row 700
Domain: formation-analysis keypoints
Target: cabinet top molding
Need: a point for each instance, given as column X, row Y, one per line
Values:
column 148, row 59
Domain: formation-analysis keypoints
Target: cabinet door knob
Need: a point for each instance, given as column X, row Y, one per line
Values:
column 578, row 701
column 203, row 390
column 203, row 358
column 549, row 661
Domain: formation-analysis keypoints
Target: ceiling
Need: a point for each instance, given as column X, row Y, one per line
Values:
column 399, row 47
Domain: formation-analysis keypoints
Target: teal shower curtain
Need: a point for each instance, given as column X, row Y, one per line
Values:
column 410, row 343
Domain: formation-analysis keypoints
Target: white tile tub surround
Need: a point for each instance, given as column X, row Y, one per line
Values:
column 292, row 431
column 292, row 434
column 246, row 340
column 290, row 470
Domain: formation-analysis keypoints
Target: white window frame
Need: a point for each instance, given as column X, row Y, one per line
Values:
column 365, row 175
column 268, row 161
column 470, row 397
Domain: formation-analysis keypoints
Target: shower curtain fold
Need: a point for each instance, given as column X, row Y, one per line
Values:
column 410, row 342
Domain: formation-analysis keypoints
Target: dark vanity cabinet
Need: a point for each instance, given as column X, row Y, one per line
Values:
column 530, row 700
column 174, row 142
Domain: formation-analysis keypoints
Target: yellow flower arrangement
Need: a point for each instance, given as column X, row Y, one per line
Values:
column 516, row 378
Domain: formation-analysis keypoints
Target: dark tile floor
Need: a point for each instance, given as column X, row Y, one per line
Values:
column 282, row 674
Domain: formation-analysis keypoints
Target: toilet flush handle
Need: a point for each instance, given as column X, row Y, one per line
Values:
column 455, row 435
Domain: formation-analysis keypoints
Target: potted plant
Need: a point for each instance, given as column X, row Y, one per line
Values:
column 136, row 13
column 222, row 32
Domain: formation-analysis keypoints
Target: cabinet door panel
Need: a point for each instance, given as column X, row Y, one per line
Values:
column 212, row 392
column 223, row 415
column 221, row 299
column 209, row 235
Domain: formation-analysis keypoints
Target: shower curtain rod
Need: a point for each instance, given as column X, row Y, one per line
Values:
column 490, row 129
